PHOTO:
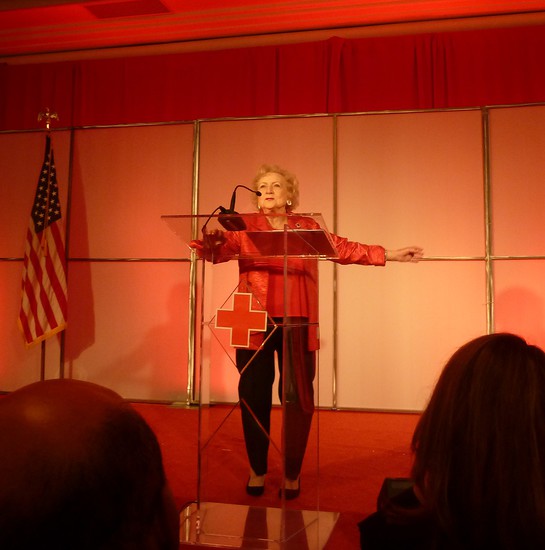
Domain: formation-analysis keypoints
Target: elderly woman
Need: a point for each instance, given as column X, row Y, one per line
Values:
column 295, row 312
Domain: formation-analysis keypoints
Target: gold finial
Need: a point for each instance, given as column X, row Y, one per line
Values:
column 48, row 116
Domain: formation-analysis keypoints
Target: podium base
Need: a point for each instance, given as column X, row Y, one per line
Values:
column 236, row 526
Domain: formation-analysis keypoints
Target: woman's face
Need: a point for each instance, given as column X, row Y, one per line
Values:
column 274, row 193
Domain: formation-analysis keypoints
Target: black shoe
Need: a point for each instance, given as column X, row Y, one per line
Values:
column 254, row 490
column 290, row 494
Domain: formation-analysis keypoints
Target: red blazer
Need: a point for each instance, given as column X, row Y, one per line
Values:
column 254, row 270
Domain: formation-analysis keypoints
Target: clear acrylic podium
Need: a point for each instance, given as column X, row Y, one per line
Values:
column 229, row 315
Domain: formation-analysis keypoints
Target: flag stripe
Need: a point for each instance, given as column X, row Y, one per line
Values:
column 34, row 293
column 29, row 303
column 44, row 294
column 41, row 288
column 55, row 266
column 29, row 295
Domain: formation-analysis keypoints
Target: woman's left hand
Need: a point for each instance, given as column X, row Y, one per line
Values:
column 407, row 254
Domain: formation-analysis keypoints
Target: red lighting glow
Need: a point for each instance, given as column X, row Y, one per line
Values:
column 90, row 25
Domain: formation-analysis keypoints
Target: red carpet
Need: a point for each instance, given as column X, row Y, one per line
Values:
column 357, row 451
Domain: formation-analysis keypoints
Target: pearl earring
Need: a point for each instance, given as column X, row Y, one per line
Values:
column 288, row 202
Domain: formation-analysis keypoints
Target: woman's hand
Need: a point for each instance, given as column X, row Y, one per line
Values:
column 210, row 242
column 407, row 254
column 213, row 239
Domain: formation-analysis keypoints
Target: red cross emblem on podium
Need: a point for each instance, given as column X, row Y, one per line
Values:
column 241, row 320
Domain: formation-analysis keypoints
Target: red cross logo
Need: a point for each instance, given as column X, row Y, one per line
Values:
column 241, row 320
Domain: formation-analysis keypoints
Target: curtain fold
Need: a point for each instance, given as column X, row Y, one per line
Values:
column 427, row 71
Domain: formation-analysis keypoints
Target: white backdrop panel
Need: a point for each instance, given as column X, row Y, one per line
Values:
column 408, row 179
column 129, row 329
column 517, row 160
column 413, row 179
column 520, row 299
column 398, row 325
column 124, row 180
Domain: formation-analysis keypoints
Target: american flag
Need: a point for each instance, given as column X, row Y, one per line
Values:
column 44, row 293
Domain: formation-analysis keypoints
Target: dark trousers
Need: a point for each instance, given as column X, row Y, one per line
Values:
column 257, row 372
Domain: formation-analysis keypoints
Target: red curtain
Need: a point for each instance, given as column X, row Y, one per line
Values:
column 446, row 70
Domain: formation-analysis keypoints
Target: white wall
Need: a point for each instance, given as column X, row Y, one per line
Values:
column 392, row 178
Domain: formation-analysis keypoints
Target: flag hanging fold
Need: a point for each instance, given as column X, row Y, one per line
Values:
column 44, row 291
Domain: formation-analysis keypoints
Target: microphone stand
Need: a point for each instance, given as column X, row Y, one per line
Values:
column 230, row 218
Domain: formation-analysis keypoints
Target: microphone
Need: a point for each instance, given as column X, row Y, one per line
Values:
column 229, row 218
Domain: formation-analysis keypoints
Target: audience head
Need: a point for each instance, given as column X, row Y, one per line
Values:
column 479, row 447
column 80, row 469
column 291, row 181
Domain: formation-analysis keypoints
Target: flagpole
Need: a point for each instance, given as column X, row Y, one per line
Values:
column 47, row 116
column 42, row 361
column 44, row 297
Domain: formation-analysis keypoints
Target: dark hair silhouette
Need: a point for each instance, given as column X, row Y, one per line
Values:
column 479, row 447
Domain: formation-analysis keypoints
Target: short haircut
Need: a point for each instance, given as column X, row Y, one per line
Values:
column 291, row 180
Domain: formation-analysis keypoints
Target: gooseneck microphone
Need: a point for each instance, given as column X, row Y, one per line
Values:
column 229, row 218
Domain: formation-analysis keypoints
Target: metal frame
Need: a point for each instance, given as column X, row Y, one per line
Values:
column 488, row 258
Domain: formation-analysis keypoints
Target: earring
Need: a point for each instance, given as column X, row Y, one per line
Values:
column 288, row 202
